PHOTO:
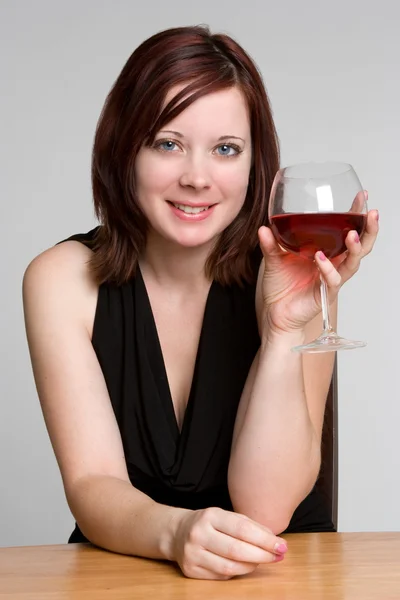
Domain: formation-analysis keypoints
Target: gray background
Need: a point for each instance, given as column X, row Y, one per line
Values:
column 332, row 72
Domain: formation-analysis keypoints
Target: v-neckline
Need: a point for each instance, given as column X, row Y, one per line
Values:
column 169, row 405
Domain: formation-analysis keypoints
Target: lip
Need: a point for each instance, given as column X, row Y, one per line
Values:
column 192, row 217
column 191, row 204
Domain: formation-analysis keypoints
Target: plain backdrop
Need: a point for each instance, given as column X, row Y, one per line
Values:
column 332, row 72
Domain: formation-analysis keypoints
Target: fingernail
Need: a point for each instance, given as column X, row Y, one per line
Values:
column 280, row 548
column 356, row 237
column 366, row 194
column 279, row 557
column 321, row 256
column 377, row 215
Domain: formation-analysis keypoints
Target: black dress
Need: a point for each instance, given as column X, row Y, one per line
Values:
column 186, row 468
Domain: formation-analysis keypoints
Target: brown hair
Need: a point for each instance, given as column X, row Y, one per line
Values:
column 133, row 114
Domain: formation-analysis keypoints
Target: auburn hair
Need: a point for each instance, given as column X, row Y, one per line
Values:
column 132, row 115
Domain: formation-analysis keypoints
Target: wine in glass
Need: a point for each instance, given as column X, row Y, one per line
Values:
column 312, row 208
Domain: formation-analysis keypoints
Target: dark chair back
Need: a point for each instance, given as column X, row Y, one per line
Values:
column 327, row 482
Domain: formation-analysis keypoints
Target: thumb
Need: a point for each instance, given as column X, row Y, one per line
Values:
column 268, row 244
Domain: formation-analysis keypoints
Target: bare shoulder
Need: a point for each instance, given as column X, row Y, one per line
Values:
column 60, row 279
column 67, row 260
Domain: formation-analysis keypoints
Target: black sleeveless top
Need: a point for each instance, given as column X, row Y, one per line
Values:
column 186, row 468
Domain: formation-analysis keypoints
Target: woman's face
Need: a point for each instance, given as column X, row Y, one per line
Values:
column 192, row 182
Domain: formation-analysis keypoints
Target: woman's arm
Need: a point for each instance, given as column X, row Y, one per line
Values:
column 275, row 456
column 59, row 303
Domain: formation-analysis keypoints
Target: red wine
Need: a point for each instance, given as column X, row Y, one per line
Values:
column 306, row 233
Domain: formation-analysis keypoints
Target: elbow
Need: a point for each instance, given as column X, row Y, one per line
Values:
column 267, row 506
column 275, row 521
column 269, row 514
column 277, row 525
column 274, row 512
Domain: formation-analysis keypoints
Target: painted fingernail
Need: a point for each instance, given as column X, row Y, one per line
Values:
column 321, row 256
column 280, row 548
column 356, row 237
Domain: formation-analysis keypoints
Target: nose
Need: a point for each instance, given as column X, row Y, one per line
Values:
column 195, row 174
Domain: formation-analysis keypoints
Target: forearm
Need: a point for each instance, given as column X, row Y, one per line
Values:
column 114, row 515
column 275, row 455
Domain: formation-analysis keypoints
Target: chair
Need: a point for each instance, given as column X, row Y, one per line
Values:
column 327, row 483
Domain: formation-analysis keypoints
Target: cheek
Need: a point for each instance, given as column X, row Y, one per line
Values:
column 235, row 182
column 153, row 176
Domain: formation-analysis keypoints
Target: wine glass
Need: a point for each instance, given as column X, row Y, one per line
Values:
column 312, row 207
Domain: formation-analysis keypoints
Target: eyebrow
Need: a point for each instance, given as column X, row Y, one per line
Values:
column 220, row 139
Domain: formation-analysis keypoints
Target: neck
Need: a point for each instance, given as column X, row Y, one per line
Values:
column 171, row 265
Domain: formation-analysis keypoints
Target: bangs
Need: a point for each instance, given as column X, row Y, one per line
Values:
column 202, row 86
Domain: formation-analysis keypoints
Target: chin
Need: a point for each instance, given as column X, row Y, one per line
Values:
column 188, row 237
column 194, row 241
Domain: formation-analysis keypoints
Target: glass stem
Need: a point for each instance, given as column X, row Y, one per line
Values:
column 325, row 308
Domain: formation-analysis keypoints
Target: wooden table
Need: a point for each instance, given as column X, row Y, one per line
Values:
column 323, row 566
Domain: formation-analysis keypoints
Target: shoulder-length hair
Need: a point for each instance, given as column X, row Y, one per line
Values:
column 133, row 114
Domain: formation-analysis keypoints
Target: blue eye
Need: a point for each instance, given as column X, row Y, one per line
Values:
column 227, row 150
column 167, row 146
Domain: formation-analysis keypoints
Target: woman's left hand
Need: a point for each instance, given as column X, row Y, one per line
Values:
column 291, row 284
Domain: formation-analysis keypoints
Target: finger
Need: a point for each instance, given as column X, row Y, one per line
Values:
column 359, row 202
column 196, row 572
column 224, row 566
column 329, row 273
column 238, row 550
column 354, row 255
column 371, row 231
column 269, row 246
column 242, row 528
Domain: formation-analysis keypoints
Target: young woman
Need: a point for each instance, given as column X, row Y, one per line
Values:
column 184, row 427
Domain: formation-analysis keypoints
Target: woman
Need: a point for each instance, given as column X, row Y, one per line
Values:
column 184, row 427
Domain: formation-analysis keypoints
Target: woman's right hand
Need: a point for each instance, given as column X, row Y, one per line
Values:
column 217, row 544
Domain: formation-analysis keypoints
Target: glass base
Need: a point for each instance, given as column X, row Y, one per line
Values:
column 329, row 342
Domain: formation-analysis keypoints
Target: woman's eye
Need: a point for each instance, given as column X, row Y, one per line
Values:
column 227, row 150
column 167, row 146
